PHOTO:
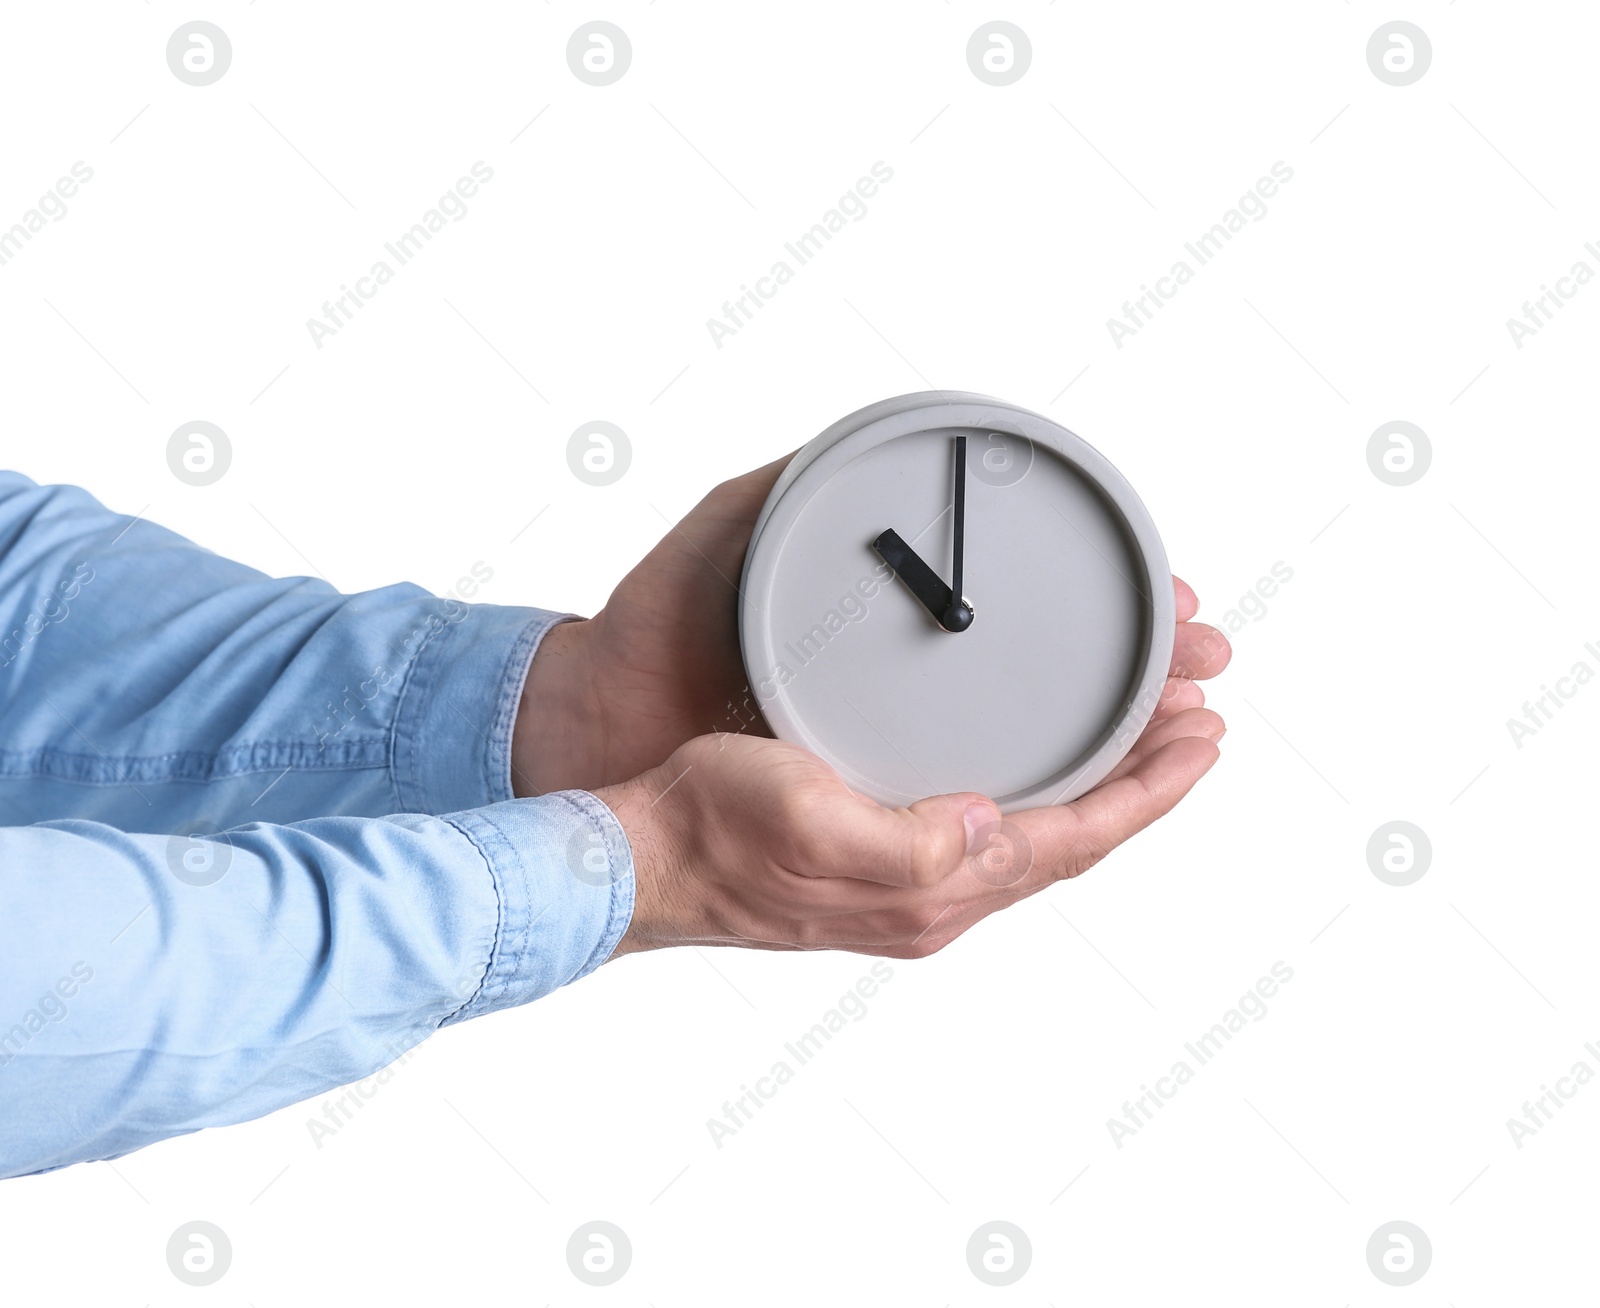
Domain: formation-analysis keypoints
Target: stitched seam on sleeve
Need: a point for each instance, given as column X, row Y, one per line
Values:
column 424, row 685
column 499, row 924
column 497, row 758
column 595, row 811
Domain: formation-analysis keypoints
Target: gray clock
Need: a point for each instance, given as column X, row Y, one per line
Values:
column 947, row 592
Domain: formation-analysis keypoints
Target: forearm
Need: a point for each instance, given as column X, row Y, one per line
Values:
column 154, row 986
column 148, row 683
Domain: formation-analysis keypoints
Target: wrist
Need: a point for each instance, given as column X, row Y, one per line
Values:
column 655, row 848
column 556, row 717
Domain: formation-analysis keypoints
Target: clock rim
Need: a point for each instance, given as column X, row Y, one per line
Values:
column 906, row 415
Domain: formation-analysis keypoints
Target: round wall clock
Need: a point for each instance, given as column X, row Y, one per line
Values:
column 947, row 592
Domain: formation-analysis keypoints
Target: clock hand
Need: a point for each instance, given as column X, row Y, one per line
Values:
column 958, row 616
column 920, row 579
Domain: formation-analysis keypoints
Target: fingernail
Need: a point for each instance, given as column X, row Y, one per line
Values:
column 975, row 819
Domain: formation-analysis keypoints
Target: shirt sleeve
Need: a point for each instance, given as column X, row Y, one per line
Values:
column 150, row 684
column 151, row 986
column 205, row 914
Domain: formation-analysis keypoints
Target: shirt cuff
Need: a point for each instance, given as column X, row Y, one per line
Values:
column 563, row 872
column 453, row 724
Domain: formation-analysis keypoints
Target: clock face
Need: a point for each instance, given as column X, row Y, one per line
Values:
column 858, row 649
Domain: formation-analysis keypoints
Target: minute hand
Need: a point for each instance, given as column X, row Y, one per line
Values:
column 958, row 616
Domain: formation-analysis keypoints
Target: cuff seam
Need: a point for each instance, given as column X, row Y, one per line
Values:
column 619, row 854
column 455, row 716
column 499, row 925
column 503, row 728
column 404, row 778
column 496, row 881
column 510, row 965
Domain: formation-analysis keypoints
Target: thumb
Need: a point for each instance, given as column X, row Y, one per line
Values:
column 915, row 846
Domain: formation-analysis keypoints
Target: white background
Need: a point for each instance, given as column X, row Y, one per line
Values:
column 1375, row 686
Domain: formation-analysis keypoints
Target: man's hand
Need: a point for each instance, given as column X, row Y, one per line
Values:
column 612, row 697
column 609, row 698
column 757, row 843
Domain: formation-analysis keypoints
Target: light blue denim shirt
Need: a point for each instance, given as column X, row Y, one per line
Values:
column 257, row 838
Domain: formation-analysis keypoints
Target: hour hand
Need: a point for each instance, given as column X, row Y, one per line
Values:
column 920, row 579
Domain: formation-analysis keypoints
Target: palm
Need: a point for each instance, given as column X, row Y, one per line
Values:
column 759, row 844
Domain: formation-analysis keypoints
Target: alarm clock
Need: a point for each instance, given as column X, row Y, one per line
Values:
column 946, row 592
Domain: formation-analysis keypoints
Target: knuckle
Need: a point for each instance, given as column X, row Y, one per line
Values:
column 695, row 751
column 1080, row 860
column 924, row 857
column 801, row 820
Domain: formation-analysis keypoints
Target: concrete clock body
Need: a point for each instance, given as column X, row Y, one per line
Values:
column 1031, row 679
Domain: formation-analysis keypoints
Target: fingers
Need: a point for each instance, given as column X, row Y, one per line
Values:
column 1199, row 651
column 1027, row 867
column 910, row 919
column 1072, row 838
column 1201, row 722
column 1178, row 694
column 718, row 528
column 1045, row 845
column 744, row 495
column 906, row 847
column 1188, row 601
column 864, row 858
column 768, row 473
